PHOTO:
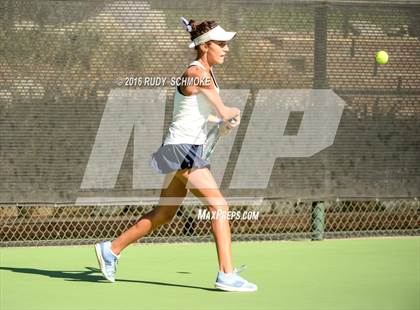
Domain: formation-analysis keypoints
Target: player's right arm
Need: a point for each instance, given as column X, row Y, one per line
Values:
column 207, row 89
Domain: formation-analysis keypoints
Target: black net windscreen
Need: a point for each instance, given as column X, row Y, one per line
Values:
column 86, row 97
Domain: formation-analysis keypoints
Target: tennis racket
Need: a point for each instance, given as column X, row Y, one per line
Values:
column 213, row 137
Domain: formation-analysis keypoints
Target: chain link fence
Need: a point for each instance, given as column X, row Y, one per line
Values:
column 24, row 225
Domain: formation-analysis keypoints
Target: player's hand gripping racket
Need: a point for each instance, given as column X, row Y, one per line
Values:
column 212, row 138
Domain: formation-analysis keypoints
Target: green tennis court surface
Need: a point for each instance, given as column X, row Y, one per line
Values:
column 332, row 274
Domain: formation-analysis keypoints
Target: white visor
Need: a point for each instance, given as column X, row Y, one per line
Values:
column 216, row 34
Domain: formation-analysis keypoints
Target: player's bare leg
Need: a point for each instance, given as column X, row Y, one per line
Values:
column 170, row 200
column 202, row 184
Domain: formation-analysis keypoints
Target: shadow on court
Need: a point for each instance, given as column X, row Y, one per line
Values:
column 90, row 276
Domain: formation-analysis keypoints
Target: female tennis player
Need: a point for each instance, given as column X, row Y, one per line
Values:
column 180, row 157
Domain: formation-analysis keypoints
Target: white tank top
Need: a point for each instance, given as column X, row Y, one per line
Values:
column 189, row 117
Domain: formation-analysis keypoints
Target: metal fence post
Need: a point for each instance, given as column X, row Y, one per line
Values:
column 318, row 220
column 320, row 48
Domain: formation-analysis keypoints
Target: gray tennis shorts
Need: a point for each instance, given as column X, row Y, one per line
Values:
column 172, row 157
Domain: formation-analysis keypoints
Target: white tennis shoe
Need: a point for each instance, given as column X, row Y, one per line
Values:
column 107, row 260
column 232, row 282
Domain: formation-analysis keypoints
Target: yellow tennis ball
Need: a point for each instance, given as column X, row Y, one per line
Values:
column 381, row 57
